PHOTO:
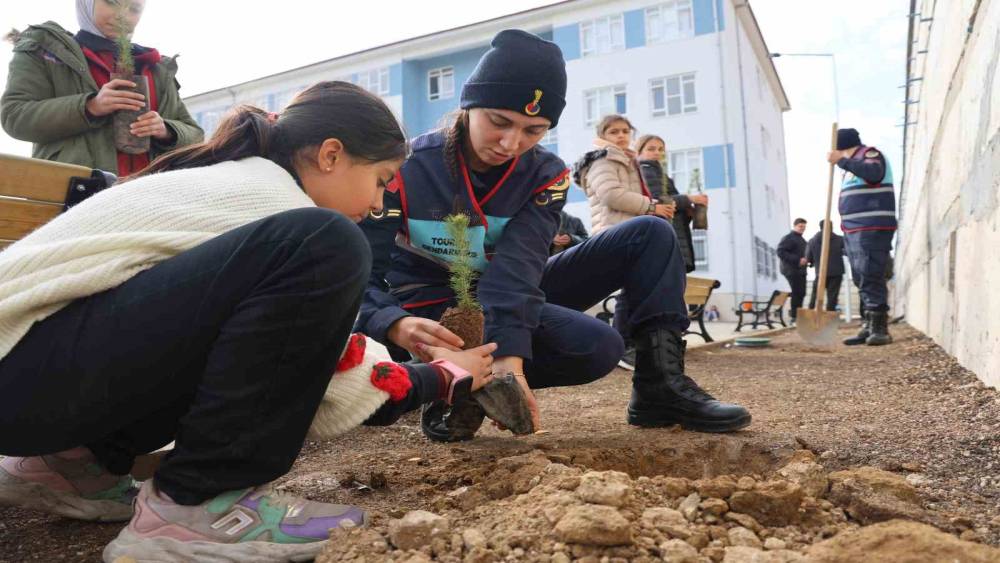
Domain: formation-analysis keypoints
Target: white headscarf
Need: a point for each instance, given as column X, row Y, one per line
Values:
column 85, row 17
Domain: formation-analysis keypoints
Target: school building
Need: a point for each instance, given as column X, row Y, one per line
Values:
column 696, row 72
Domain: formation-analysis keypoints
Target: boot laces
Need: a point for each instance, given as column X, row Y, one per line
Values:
column 685, row 386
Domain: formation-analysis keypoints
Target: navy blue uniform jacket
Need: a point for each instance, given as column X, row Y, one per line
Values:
column 512, row 223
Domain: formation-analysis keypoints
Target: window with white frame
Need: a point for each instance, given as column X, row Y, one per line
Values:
column 668, row 21
column 209, row 120
column 441, row 83
column 375, row 81
column 684, row 167
column 762, row 259
column 768, row 198
column 602, row 35
column 603, row 101
column 673, row 95
column 774, row 263
column 699, row 239
column 551, row 138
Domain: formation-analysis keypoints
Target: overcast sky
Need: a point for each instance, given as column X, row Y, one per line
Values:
column 224, row 42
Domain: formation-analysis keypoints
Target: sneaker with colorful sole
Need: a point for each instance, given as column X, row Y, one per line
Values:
column 70, row 484
column 246, row 526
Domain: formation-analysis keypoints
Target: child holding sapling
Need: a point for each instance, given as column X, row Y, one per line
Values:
column 68, row 115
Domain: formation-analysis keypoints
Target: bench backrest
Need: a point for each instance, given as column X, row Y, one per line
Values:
column 779, row 298
column 33, row 192
column 699, row 290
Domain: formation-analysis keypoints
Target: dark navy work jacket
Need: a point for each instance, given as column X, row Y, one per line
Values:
column 512, row 223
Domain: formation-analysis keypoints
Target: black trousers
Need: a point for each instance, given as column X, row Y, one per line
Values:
column 798, row 285
column 226, row 349
column 640, row 257
column 832, row 292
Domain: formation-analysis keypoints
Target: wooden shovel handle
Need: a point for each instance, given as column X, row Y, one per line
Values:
column 825, row 254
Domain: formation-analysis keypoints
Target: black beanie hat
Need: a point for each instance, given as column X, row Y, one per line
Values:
column 847, row 138
column 523, row 73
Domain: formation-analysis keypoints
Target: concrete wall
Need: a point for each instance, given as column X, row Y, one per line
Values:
column 950, row 207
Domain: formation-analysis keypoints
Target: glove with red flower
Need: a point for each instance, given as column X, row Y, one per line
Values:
column 364, row 380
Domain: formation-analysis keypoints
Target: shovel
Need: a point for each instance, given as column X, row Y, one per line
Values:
column 816, row 326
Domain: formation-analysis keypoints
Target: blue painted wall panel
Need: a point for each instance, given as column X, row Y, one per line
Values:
column 395, row 79
column 421, row 114
column 718, row 162
column 635, row 29
column 704, row 21
column 568, row 39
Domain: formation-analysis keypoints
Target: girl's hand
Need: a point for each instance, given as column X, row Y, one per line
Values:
column 477, row 361
column 150, row 124
column 665, row 210
column 407, row 332
column 110, row 99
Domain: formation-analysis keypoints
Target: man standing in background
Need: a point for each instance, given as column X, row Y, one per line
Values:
column 834, row 267
column 792, row 253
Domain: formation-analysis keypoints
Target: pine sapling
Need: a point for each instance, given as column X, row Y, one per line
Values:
column 466, row 319
column 462, row 273
column 125, row 63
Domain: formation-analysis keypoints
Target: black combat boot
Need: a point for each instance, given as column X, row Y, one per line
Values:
column 455, row 423
column 628, row 358
column 863, row 334
column 662, row 395
column 880, row 329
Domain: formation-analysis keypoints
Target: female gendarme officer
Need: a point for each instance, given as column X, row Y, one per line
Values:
column 488, row 165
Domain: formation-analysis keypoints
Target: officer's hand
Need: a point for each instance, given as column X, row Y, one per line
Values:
column 410, row 331
column 110, row 99
column 477, row 361
column 803, row 261
column 562, row 239
column 833, row 156
column 699, row 199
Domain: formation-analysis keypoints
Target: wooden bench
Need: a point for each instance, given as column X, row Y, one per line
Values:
column 696, row 295
column 762, row 311
column 33, row 192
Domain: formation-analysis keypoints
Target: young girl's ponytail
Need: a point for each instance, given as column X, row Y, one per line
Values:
column 327, row 110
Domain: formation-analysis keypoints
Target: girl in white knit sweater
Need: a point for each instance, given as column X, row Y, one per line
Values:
column 205, row 301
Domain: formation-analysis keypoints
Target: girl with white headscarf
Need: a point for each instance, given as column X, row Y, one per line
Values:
column 66, row 112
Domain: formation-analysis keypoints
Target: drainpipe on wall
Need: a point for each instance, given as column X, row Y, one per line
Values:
column 725, row 147
column 746, row 140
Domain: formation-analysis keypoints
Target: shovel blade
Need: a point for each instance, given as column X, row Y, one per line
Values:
column 504, row 402
column 818, row 328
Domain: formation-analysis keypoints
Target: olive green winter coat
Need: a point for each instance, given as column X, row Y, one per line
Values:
column 47, row 88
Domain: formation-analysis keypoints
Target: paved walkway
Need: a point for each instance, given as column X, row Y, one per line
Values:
column 721, row 330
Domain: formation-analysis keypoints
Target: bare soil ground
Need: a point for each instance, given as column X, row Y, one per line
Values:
column 907, row 410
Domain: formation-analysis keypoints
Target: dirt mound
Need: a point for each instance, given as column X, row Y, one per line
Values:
column 898, row 541
column 530, row 508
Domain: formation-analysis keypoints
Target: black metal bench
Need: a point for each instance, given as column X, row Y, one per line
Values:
column 763, row 310
column 696, row 295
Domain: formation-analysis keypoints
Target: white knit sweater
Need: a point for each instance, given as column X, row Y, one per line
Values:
column 114, row 235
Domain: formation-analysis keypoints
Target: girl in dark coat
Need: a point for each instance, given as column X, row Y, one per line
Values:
column 651, row 151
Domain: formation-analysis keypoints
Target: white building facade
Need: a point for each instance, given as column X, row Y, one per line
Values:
column 695, row 72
